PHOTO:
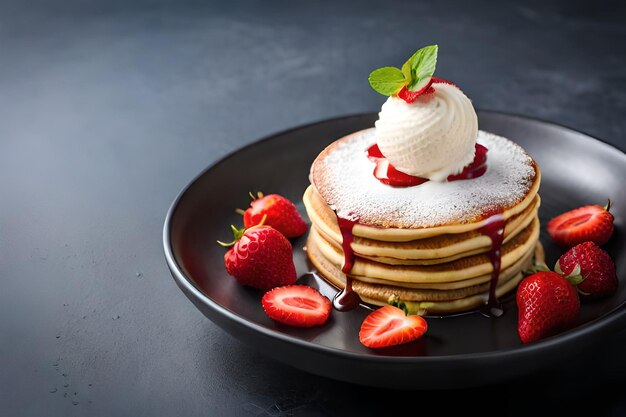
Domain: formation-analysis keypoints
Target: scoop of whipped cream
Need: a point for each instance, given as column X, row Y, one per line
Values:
column 433, row 137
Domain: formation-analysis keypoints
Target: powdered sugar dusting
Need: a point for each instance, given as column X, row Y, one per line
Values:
column 343, row 175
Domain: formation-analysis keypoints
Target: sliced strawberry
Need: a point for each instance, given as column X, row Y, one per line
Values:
column 389, row 326
column 437, row 80
column 476, row 168
column 425, row 87
column 297, row 305
column 278, row 211
column 374, row 153
column 388, row 174
column 588, row 223
column 429, row 90
column 421, row 88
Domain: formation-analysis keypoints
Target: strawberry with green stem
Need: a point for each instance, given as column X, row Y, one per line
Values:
column 593, row 267
column 547, row 304
column 260, row 257
column 278, row 211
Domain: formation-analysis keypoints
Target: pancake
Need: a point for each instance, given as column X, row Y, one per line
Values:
column 436, row 249
column 460, row 269
column 446, row 290
column 415, row 299
column 342, row 172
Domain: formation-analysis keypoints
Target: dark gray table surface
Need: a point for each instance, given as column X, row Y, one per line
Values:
column 107, row 109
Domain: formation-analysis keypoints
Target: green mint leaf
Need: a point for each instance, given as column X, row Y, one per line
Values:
column 406, row 71
column 420, row 66
column 387, row 80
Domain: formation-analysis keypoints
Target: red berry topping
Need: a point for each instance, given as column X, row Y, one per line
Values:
column 386, row 173
column 476, row 168
column 279, row 212
column 374, row 153
column 547, row 304
column 425, row 88
column 420, row 89
column 595, row 267
column 588, row 223
column 261, row 257
column 389, row 326
column 297, row 305
column 437, row 80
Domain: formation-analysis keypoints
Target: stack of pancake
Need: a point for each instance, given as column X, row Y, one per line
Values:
column 425, row 245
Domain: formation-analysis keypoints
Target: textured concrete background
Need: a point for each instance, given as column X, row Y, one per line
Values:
column 107, row 109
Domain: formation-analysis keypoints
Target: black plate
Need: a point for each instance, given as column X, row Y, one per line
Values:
column 460, row 351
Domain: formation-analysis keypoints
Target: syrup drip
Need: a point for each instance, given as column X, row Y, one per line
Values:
column 386, row 173
column 346, row 299
column 345, row 226
column 494, row 230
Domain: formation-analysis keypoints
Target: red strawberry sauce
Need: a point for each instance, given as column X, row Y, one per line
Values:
column 494, row 230
column 346, row 299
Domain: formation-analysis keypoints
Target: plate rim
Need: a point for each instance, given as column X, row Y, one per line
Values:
column 601, row 324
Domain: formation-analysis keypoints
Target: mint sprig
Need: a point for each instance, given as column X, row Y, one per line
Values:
column 419, row 67
column 387, row 80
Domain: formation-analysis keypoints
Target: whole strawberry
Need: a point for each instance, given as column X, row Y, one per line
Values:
column 587, row 223
column 278, row 211
column 260, row 257
column 595, row 267
column 547, row 304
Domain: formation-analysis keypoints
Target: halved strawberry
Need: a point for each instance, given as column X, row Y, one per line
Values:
column 588, row 223
column 437, row 80
column 278, row 211
column 389, row 326
column 297, row 305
